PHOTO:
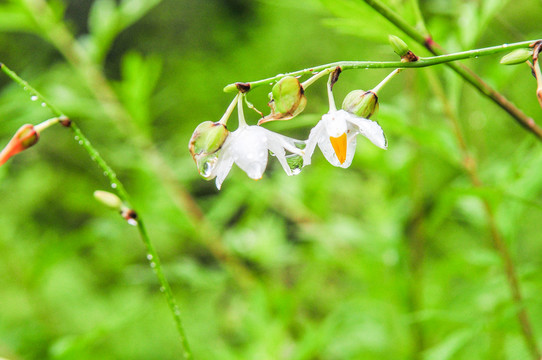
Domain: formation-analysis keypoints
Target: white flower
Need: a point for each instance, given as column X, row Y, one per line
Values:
column 249, row 147
column 336, row 135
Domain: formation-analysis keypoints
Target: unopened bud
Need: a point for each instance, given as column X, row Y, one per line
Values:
column 517, row 56
column 401, row 49
column 204, row 145
column 287, row 100
column 207, row 138
column 108, row 199
column 361, row 103
column 289, row 96
column 24, row 138
column 399, row 46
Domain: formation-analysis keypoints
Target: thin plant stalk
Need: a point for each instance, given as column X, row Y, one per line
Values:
column 468, row 75
column 78, row 57
column 422, row 62
column 469, row 164
column 116, row 184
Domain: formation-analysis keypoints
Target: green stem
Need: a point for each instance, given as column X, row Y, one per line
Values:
column 422, row 62
column 377, row 88
column 467, row 74
column 224, row 119
column 58, row 34
column 332, row 106
column 469, row 164
column 152, row 257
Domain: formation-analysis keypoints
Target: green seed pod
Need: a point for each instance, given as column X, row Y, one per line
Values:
column 517, row 56
column 398, row 45
column 361, row 103
column 288, row 96
column 207, row 138
column 204, row 145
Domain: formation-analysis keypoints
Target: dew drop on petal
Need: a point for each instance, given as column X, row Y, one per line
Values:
column 33, row 98
column 295, row 162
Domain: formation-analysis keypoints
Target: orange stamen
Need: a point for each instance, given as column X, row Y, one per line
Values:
column 339, row 145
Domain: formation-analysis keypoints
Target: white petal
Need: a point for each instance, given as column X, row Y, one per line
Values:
column 249, row 151
column 370, row 129
column 224, row 163
column 335, row 122
column 314, row 136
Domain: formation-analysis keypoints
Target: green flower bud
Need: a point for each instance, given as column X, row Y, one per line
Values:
column 517, row 56
column 204, row 145
column 287, row 100
column 288, row 95
column 207, row 138
column 108, row 199
column 361, row 103
column 398, row 45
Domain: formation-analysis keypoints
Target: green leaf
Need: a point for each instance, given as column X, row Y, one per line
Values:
column 139, row 78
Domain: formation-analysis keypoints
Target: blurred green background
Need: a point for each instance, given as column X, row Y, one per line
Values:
column 389, row 259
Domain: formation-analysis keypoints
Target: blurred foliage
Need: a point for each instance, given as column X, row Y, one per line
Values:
column 389, row 259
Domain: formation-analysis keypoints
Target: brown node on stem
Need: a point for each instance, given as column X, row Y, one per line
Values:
column 410, row 57
column 335, row 76
column 243, row 87
column 65, row 121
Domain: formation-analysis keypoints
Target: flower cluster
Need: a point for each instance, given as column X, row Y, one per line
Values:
column 215, row 149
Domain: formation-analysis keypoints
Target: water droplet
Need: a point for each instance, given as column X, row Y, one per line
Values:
column 153, row 264
column 43, row 104
column 33, row 98
column 105, row 173
column 76, row 138
column 505, row 45
column 206, row 165
column 295, row 162
column 149, row 256
column 114, row 185
column 132, row 222
column 80, row 142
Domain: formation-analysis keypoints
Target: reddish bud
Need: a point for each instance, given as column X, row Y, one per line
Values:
column 24, row 138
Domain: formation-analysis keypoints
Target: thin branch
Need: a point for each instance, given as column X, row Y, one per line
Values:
column 152, row 257
column 469, row 164
column 58, row 34
column 467, row 74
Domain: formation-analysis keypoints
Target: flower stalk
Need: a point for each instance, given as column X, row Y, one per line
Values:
column 152, row 255
column 422, row 62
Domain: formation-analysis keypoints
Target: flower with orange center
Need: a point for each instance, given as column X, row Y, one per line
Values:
column 336, row 135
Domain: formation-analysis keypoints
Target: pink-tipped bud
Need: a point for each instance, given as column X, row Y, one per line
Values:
column 24, row 138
